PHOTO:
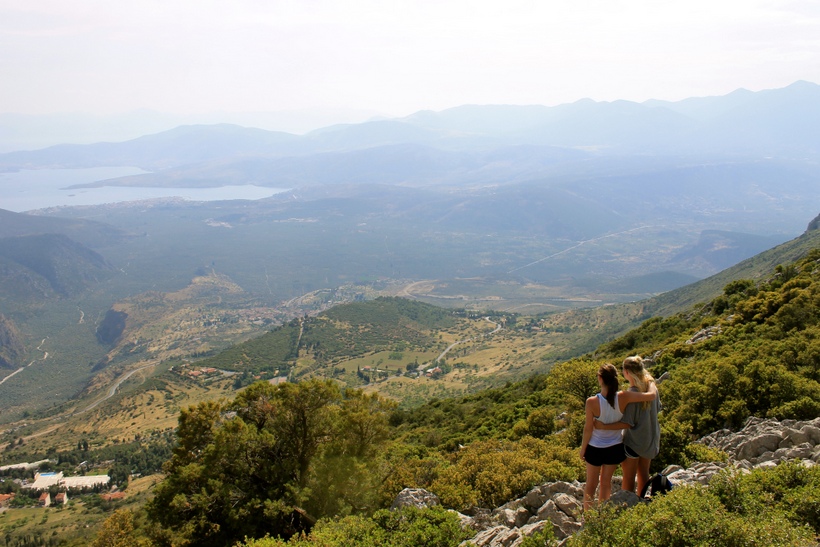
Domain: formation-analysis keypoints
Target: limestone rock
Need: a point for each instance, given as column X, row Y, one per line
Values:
column 415, row 497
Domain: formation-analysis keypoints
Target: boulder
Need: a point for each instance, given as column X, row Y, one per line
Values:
column 415, row 497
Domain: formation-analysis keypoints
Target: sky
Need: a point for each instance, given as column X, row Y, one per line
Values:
column 392, row 57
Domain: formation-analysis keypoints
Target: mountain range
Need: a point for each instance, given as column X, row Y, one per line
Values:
column 776, row 122
column 516, row 208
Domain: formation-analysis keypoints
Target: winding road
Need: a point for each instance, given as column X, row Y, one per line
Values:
column 21, row 369
column 113, row 389
column 498, row 327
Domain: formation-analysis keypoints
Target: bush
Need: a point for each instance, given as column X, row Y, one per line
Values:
column 490, row 473
column 688, row 516
column 544, row 538
column 789, row 488
column 408, row 527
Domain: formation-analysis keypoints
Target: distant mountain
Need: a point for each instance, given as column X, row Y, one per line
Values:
column 752, row 268
column 344, row 331
column 722, row 250
column 772, row 122
column 180, row 146
column 48, row 265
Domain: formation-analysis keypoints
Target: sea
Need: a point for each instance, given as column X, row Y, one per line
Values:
column 28, row 190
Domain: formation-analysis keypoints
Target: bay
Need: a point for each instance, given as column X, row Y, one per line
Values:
column 27, row 190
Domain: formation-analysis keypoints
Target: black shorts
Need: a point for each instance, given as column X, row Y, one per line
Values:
column 611, row 455
column 630, row 453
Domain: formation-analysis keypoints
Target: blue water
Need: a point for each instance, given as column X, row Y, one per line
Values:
column 37, row 189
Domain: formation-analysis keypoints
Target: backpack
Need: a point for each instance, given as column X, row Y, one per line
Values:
column 656, row 485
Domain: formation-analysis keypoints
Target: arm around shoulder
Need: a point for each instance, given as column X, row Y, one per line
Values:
column 639, row 397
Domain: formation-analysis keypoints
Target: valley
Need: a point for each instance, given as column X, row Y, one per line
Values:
column 441, row 284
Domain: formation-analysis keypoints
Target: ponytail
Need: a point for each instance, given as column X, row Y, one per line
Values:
column 609, row 374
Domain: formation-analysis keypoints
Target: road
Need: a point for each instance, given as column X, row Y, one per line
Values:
column 113, row 389
column 498, row 327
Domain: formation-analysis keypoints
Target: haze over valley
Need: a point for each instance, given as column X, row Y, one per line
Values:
column 514, row 209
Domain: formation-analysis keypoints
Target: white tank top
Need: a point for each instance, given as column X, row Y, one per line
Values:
column 602, row 438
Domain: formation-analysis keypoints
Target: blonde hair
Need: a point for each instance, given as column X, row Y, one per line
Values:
column 634, row 365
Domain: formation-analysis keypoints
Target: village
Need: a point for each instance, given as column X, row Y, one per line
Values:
column 48, row 489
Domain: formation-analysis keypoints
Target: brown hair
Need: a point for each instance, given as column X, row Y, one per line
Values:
column 609, row 374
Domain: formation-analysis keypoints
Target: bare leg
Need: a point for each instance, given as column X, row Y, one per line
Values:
column 643, row 472
column 606, row 481
column 630, row 467
column 591, row 485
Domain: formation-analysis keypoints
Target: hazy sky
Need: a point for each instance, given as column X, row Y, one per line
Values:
column 392, row 56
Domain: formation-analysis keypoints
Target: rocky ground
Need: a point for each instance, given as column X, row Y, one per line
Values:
column 761, row 443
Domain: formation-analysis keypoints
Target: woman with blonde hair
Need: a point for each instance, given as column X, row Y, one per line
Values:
column 603, row 449
column 640, row 420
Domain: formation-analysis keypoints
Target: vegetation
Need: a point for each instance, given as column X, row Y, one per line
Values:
column 310, row 463
column 778, row 506
column 408, row 527
column 342, row 332
column 284, row 456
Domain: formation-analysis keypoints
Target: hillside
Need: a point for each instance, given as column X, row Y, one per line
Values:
column 355, row 343
column 752, row 268
column 87, row 232
column 11, row 344
column 749, row 351
column 52, row 262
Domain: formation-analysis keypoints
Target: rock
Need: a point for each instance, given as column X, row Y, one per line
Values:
column 485, row 537
column 756, row 446
column 793, row 437
column 415, row 497
column 563, row 524
column 512, row 518
column 812, row 432
column 466, row 521
column 569, row 505
column 506, row 538
column 625, row 498
column 536, row 497
column 704, row 334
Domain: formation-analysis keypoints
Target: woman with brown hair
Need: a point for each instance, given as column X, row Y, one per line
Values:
column 603, row 449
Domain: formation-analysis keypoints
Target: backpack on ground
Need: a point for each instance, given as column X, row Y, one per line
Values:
column 656, row 485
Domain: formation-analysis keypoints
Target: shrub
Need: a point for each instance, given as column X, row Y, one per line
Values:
column 408, row 527
column 790, row 488
column 490, row 473
column 688, row 516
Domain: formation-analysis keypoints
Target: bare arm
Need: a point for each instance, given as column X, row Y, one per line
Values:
column 626, row 397
column 590, row 411
column 598, row 424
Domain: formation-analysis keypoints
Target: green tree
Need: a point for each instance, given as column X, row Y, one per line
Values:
column 573, row 381
column 118, row 531
column 262, row 464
